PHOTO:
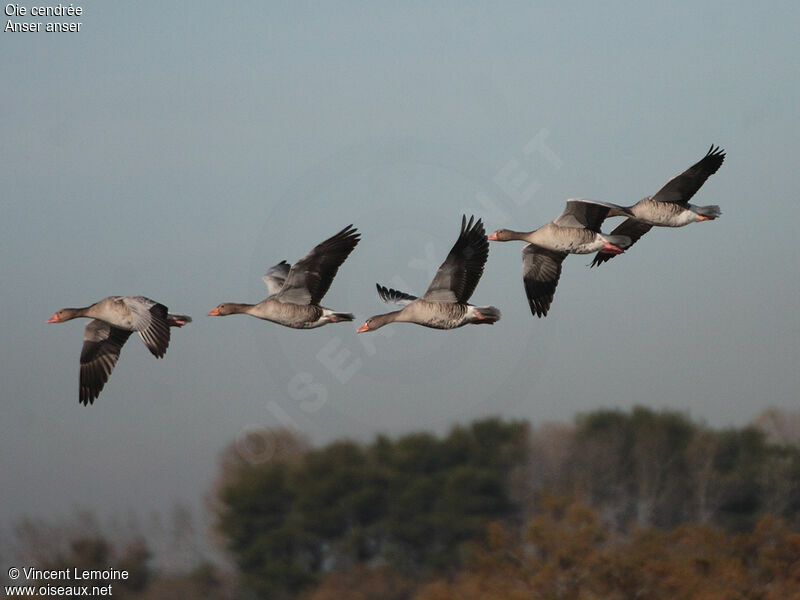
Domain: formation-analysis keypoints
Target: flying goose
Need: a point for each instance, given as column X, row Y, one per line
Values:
column 295, row 292
column 669, row 206
column 444, row 303
column 113, row 320
column 575, row 231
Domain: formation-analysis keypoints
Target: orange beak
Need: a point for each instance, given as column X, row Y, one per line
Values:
column 53, row 319
column 492, row 237
column 214, row 312
column 363, row 328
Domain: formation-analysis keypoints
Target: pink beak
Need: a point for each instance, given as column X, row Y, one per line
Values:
column 492, row 237
column 610, row 249
column 363, row 328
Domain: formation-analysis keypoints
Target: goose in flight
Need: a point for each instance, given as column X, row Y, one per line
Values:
column 575, row 231
column 444, row 304
column 669, row 206
column 295, row 292
column 113, row 320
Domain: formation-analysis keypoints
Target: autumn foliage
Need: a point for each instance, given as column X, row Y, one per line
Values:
column 568, row 553
column 618, row 505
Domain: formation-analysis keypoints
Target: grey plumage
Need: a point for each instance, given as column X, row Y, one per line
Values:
column 113, row 320
column 295, row 291
column 444, row 304
column 575, row 231
column 669, row 206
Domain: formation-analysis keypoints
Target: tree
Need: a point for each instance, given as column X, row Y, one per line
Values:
column 412, row 503
column 78, row 543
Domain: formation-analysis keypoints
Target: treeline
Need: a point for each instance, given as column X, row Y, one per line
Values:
column 616, row 505
column 414, row 509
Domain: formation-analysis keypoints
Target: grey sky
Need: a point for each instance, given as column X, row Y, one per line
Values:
column 178, row 152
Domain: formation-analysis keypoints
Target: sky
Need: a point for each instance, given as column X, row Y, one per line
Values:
column 178, row 151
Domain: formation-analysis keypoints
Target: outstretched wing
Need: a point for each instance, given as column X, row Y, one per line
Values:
column 392, row 296
column 275, row 277
column 456, row 278
column 682, row 187
column 310, row 277
column 630, row 227
column 582, row 213
column 151, row 322
column 102, row 344
column 541, row 269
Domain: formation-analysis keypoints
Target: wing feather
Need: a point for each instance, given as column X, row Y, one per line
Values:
column 541, row 270
column 102, row 344
column 310, row 277
column 629, row 227
column 681, row 188
column 458, row 275
column 582, row 213
column 275, row 277
column 392, row 296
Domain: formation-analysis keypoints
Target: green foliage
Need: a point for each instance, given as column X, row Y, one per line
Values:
column 318, row 521
column 413, row 503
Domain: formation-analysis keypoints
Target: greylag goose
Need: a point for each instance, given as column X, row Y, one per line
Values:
column 575, row 231
column 295, row 293
column 113, row 320
column 669, row 206
column 444, row 303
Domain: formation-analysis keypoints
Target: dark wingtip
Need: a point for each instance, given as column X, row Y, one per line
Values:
column 715, row 150
column 538, row 309
column 473, row 227
column 383, row 292
column 348, row 233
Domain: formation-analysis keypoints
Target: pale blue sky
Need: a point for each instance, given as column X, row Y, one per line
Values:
column 177, row 152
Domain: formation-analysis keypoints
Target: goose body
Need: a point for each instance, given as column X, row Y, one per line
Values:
column 113, row 320
column 444, row 304
column 296, row 316
column 669, row 206
column 575, row 231
column 295, row 291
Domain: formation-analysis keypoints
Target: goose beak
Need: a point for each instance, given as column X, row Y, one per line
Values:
column 214, row 312
column 53, row 319
column 363, row 328
column 492, row 237
column 610, row 249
